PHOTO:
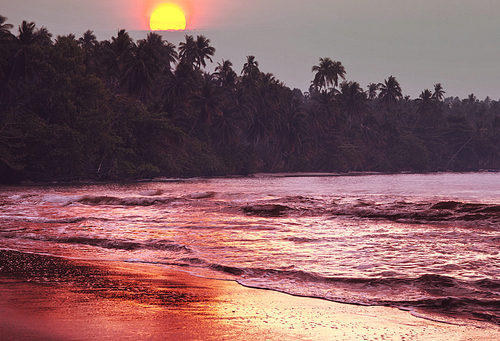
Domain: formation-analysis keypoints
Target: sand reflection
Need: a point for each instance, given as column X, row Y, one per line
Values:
column 50, row 298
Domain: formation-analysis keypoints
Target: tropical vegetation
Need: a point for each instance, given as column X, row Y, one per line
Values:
column 78, row 108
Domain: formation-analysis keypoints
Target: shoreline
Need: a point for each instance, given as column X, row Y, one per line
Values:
column 83, row 181
column 46, row 297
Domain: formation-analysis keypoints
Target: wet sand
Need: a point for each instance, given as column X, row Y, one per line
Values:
column 50, row 298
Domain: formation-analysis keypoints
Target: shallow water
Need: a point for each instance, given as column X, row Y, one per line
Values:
column 429, row 241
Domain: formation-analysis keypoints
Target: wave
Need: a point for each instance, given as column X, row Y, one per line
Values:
column 429, row 293
column 124, row 201
column 148, row 198
column 271, row 206
column 266, row 209
column 116, row 244
column 44, row 220
column 407, row 212
column 157, row 245
column 425, row 212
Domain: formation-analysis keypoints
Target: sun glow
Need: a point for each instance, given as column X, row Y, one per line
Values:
column 167, row 16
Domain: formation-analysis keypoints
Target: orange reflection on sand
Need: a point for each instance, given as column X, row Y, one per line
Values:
column 66, row 299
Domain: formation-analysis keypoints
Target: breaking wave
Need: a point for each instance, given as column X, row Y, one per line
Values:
column 432, row 293
column 129, row 245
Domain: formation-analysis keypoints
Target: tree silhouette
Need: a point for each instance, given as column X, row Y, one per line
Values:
column 352, row 100
column 328, row 73
column 372, row 90
column 166, row 53
column 390, row 91
column 5, row 39
column 140, row 70
column 117, row 53
column 326, row 105
column 438, row 92
column 250, row 69
column 195, row 52
column 225, row 74
column 27, row 38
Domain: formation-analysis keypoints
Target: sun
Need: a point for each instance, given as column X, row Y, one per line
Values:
column 167, row 16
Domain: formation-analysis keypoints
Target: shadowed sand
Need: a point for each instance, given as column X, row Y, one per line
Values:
column 49, row 298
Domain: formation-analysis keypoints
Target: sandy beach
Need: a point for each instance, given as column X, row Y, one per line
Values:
column 50, row 298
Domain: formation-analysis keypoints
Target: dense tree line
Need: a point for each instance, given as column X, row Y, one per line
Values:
column 73, row 108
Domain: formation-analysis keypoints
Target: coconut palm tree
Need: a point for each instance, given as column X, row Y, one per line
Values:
column 87, row 41
column 438, row 92
column 352, row 100
column 92, row 51
column 195, row 52
column 292, row 126
column 326, row 104
column 5, row 38
column 203, row 51
column 28, row 37
column 426, row 106
column 187, row 50
column 425, row 103
column 372, row 90
column 225, row 74
column 180, row 85
column 207, row 101
column 140, row 70
column 117, row 53
column 5, row 29
column 166, row 52
column 251, row 68
column 224, row 129
column 328, row 73
column 390, row 91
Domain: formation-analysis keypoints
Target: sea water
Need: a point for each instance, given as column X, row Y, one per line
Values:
column 427, row 241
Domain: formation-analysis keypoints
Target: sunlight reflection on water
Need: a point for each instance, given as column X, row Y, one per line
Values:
column 353, row 226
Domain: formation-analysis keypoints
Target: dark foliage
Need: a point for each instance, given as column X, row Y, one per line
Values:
column 106, row 110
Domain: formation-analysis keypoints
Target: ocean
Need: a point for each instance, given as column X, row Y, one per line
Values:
column 424, row 242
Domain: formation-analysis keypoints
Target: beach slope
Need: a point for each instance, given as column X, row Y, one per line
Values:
column 51, row 298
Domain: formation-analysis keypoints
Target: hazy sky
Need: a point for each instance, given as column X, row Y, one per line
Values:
column 454, row 42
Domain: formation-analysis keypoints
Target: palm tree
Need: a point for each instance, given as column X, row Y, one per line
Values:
column 425, row 103
column 292, row 126
column 208, row 100
column 5, row 29
column 426, row 106
column 438, row 92
column 181, row 84
column 28, row 37
column 390, row 91
column 88, row 40
column 326, row 105
column 117, row 53
column 195, row 52
column 251, row 68
column 140, row 70
column 91, row 52
column 186, row 50
column 166, row 52
column 225, row 74
column 372, row 90
column 5, row 38
column 352, row 99
column 203, row 51
column 328, row 73
column 224, row 129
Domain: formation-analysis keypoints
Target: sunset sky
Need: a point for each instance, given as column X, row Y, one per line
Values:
column 454, row 42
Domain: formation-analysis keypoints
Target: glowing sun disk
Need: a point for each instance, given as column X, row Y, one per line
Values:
column 167, row 16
